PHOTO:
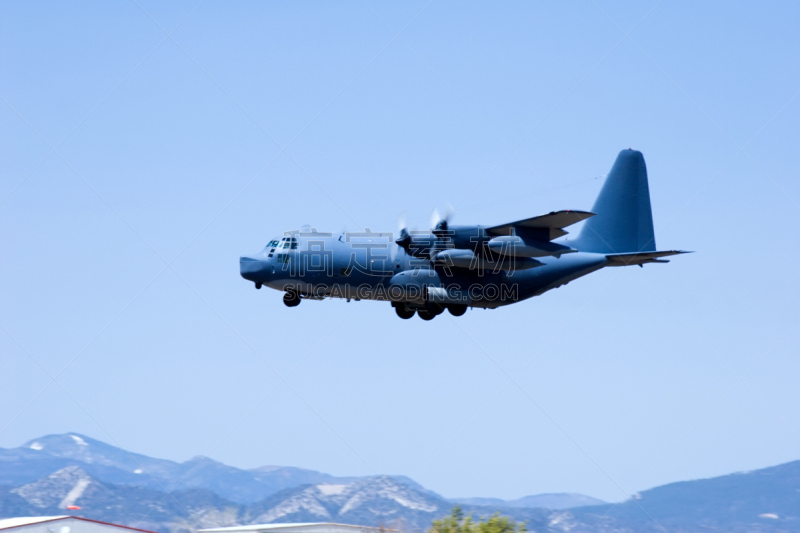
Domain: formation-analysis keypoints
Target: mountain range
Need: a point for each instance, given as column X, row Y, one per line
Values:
column 46, row 475
column 41, row 457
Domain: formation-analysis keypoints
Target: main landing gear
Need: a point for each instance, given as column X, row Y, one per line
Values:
column 404, row 312
column 291, row 299
column 457, row 309
column 429, row 312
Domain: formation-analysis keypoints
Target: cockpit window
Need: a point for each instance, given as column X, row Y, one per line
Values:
column 289, row 243
column 285, row 243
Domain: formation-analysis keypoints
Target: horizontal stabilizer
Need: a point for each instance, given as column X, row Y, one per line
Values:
column 640, row 258
column 552, row 223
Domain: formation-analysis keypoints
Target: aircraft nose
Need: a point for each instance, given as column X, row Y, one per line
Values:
column 250, row 267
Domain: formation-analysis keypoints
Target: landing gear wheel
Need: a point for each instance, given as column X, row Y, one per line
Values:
column 457, row 309
column 291, row 299
column 425, row 314
column 258, row 285
column 404, row 313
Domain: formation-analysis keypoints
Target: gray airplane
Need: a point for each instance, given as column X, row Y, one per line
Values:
column 457, row 267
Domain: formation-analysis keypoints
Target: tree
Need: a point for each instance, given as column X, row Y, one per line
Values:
column 458, row 523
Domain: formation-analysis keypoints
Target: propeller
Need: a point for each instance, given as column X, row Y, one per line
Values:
column 439, row 221
column 403, row 237
column 439, row 227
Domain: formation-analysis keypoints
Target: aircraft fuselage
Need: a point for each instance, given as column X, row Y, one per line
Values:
column 370, row 266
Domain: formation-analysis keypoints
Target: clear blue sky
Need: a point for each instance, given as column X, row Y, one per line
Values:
column 255, row 118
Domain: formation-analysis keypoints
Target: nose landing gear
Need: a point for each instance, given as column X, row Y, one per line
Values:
column 258, row 285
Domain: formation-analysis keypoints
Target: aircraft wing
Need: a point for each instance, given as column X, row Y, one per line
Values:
column 551, row 224
column 640, row 258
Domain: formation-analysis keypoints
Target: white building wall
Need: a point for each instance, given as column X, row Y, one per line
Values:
column 323, row 528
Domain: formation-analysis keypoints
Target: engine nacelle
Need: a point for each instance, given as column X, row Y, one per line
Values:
column 516, row 246
column 468, row 259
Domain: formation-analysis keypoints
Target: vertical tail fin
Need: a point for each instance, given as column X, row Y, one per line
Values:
column 624, row 221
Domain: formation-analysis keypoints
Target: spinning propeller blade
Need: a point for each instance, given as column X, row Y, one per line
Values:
column 403, row 238
column 439, row 221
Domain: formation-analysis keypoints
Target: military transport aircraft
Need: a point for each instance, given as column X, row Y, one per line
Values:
column 456, row 267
